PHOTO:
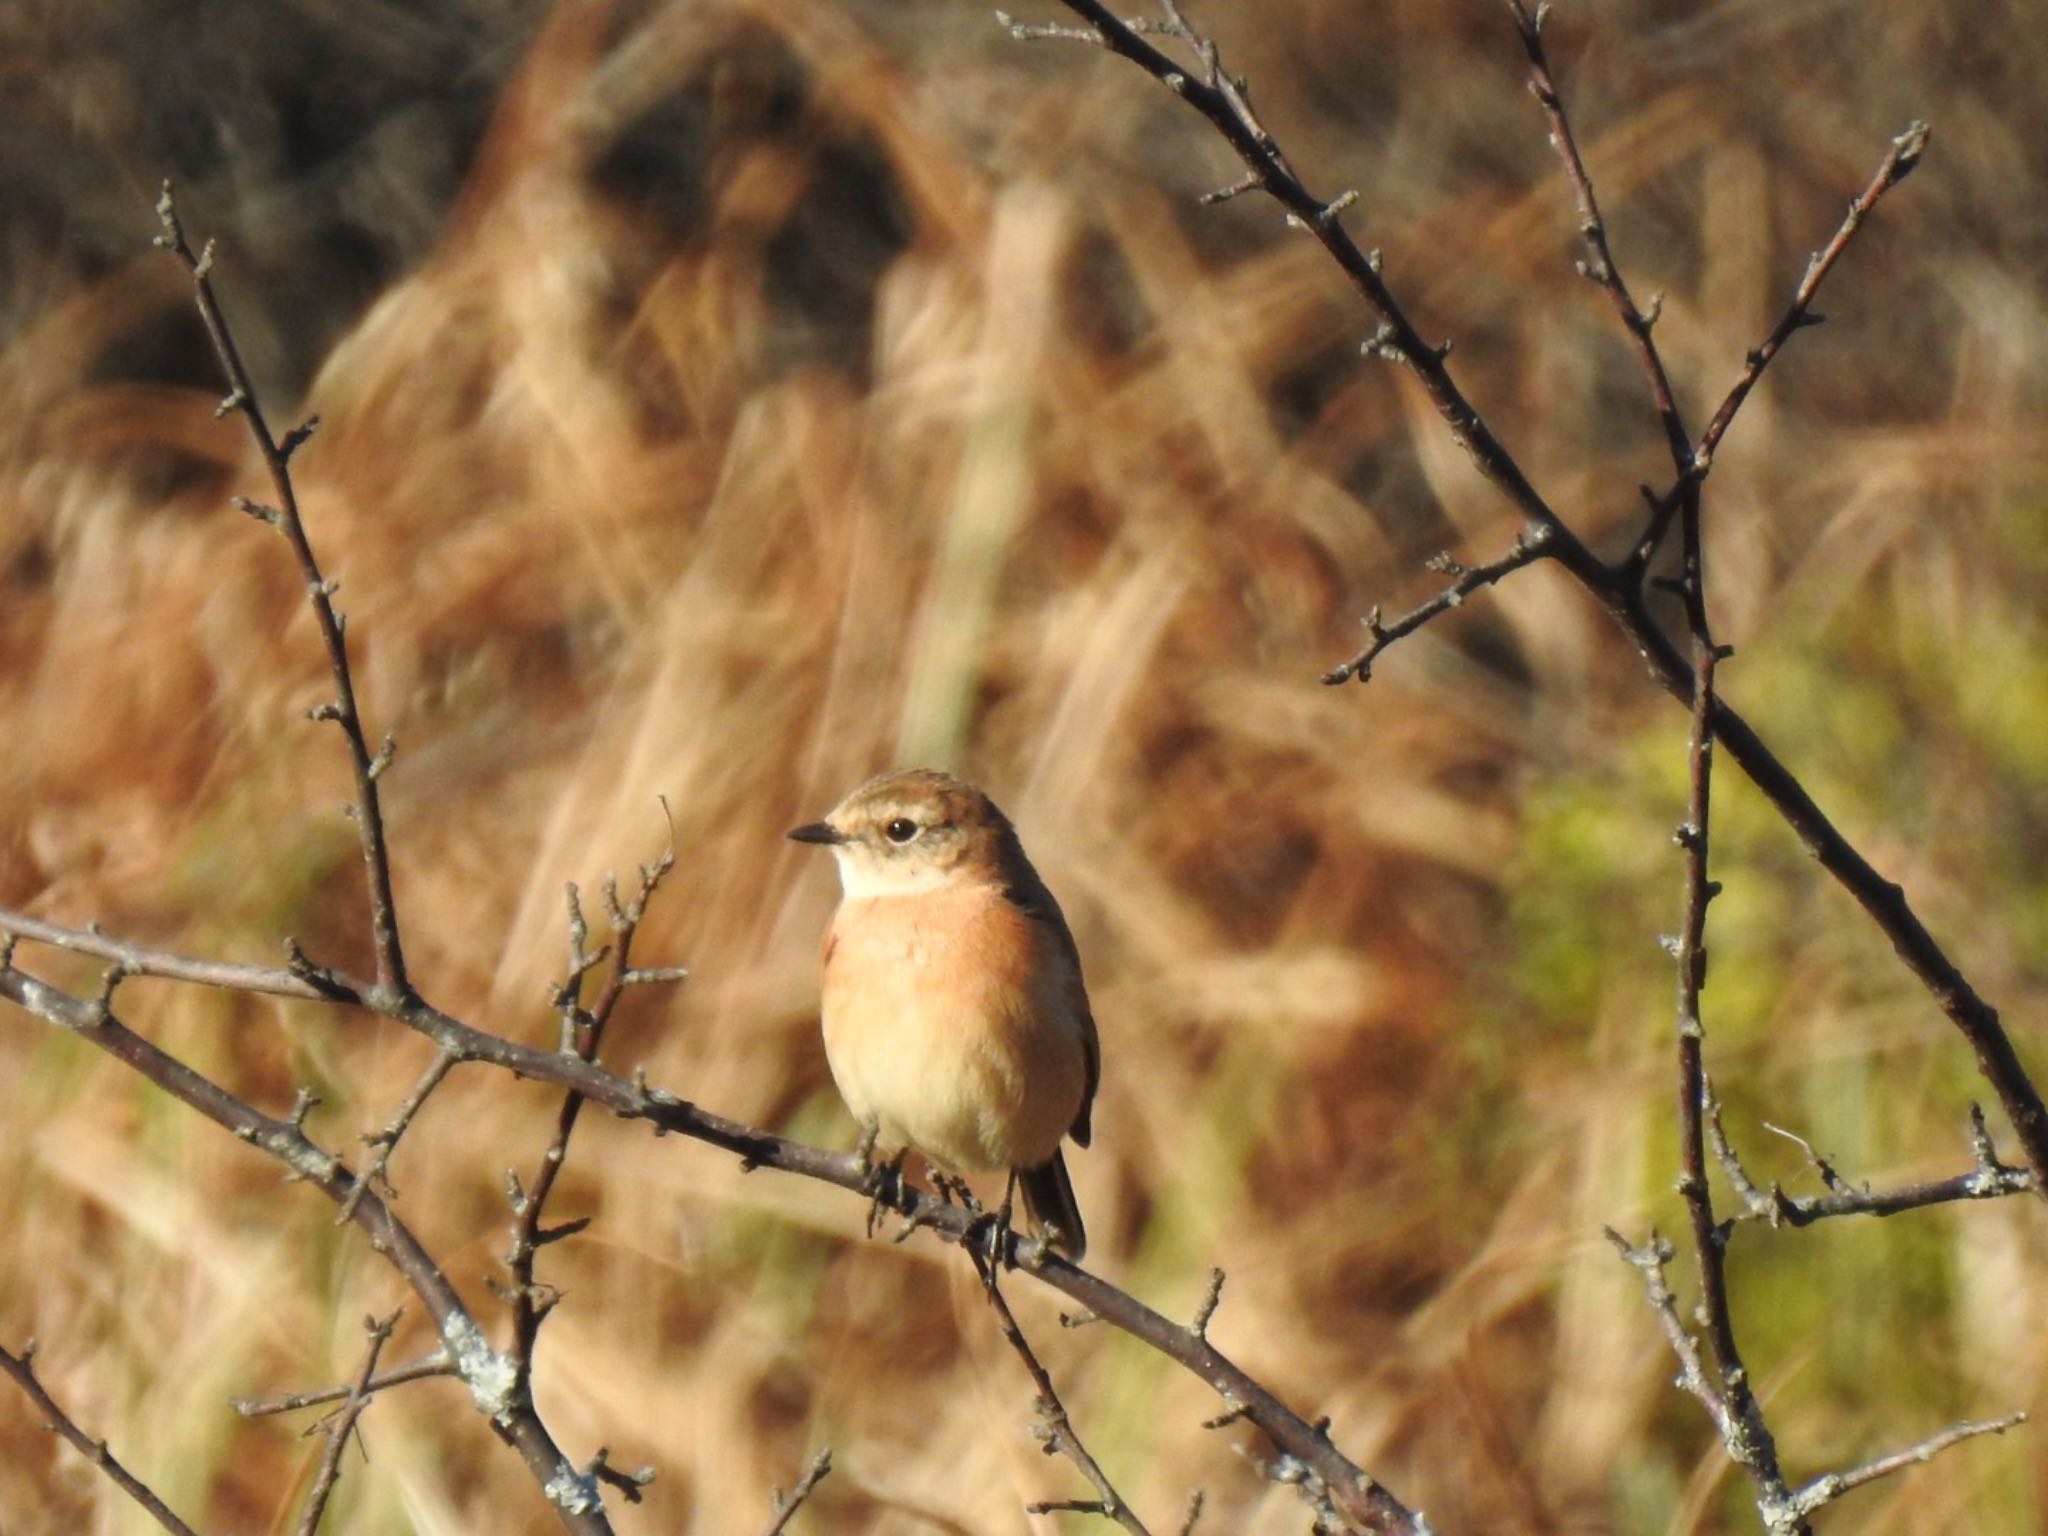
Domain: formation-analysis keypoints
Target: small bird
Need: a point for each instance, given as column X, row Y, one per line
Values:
column 955, row 1018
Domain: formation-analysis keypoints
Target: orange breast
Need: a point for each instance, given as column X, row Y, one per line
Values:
column 948, row 1022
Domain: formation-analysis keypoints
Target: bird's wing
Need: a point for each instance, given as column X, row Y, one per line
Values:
column 1028, row 893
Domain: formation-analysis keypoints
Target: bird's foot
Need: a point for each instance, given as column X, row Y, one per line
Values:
column 990, row 1236
column 883, row 1182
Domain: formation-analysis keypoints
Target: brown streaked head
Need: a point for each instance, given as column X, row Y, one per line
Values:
column 912, row 830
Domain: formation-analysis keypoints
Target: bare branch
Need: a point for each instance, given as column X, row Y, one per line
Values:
column 1528, row 548
column 1991, row 1179
column 1600, row 265
column 1740, row 1416
column 600, row 1469
column 582, row 1034
column 341, row 1424
column 1619, row 591
column 1055, row 1430
column 786, row 1505
column 1365, row 1502
column 425, row 1368
column 489, row 1376
column 21, row 1367
column 1826, row 1489
column 343, row 710
column 1905, row 153
column 385, row 1142
column 274, row 980
column 1898, row 163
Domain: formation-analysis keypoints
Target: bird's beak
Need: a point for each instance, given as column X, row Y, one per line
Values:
column 817, row 832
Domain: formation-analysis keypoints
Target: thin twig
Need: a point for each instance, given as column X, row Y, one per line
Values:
column 21, row 1367
column 1650, row 1260
column 425, row 1368
column 600, row 1469
column 1991, row 1179
column 382, row 1143
column 582, row 1032
column 1055, row 1430
column 787, row 1504
column 1833, row 1485
column 141, row 961
column 1899, row 161
column 342, row 709
column 1527, row 549
column 1600, row 265
column 1741, row 1420
column 1212, row 1298
column 339, row 1425
column 1898, row 164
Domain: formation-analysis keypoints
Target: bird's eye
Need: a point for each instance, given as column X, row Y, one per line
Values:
column 901, row 830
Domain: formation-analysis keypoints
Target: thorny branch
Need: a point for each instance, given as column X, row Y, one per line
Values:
column 1221, row 99
column 1600, row 266
column 1898, row 163
column 21, row 1368
column 1738, row 1415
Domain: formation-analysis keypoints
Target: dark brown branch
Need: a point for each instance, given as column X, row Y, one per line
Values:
column 1898, row 164
column 1221, row 99
column 1600, row 265
column 786, row 1505
column 600, row 1469
column 21, row 1368
column 1619, row 592
column 1527, row 549
column 340, row 1424
column 342, row 709
column 425, row 1368
column 488, row 1375
column 1905, row 153
column 1055, row 1429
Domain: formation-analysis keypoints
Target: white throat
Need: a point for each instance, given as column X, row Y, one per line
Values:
column 863, row 875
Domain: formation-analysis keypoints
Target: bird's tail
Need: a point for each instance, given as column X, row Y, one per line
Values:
column 1049, row 1199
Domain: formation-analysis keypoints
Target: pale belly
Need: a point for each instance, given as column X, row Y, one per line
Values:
column 946, row 1023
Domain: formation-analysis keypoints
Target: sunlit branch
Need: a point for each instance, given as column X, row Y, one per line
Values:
column 21, row 1368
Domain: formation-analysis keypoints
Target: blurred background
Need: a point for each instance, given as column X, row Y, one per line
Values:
column 723, row 401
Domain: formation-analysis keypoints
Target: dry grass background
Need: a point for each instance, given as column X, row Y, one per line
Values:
column 745, row 396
